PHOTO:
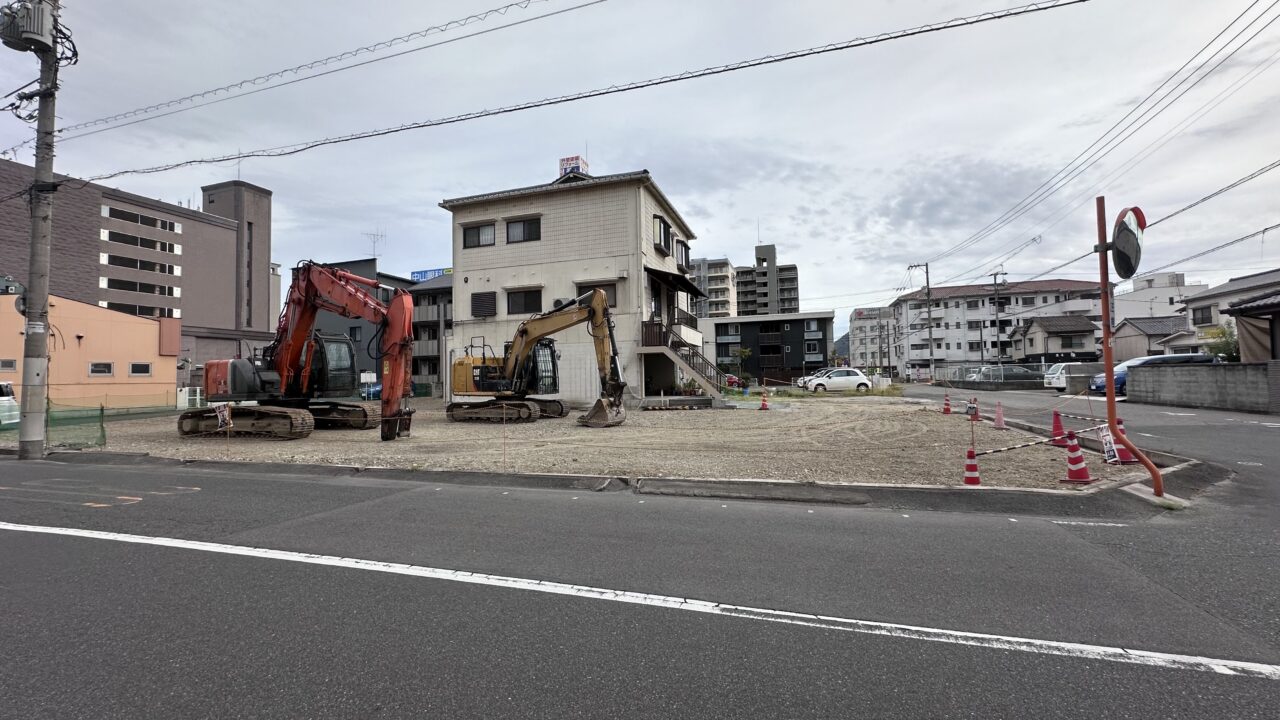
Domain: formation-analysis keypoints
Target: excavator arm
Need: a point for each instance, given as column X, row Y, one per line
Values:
column 592, row 308
column 316, row 287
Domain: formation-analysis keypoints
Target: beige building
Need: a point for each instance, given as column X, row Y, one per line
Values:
column 1141, row 336
column 517, row 252
column 98, row 357
column 1055, row 339
column 718, row 279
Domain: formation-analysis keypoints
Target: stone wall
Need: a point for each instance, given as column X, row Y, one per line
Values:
column 1247, row 387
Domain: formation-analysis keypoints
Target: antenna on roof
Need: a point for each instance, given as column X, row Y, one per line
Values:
column 375, row 237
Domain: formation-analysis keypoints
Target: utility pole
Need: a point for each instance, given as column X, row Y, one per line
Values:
column 928, row 306
column 35, row 350
column 995, row 283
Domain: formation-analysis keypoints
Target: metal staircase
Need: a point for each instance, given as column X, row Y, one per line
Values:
column 688, row 357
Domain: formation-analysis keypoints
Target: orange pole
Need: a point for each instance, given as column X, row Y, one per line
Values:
column 1104, row 279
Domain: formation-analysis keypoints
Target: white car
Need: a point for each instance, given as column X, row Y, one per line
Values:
column 841, row 379
column 803, row 382
column 9, row 410
column 1056, row 376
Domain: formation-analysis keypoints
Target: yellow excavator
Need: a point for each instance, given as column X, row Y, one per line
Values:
column 528, row 366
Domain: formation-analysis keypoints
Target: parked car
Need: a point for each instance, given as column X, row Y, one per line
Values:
column 371, row 392
column 1098, row 384
column 803, row 381
column 996, row 373
column 734, row 381
column 9, row 410
column 841, row 379
column 1056, row 376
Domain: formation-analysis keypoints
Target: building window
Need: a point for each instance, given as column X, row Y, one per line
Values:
column 948, row 346
column 136, row 264
column 662, row 234
column 484, row 304
column 144, row 310
column 610, row 292
column 133, row 217
column 1202, row 315
column 477, row 236
column 139, row 369
column 524, row 231
column 975, row 347
column 102, row 369
column 1073, row 342
column 355, row 332
column 810, row 325
column 1031, row 342
column 971, row 304
column 141, row 287
column 810, row 347
column 524, row 302
column 8, row 366
column 682, row 253
column 728, row 329
column 135, row 241
column 975, row 324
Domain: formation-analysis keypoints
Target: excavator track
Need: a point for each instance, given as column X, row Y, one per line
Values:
column 494, row 411
column 249, row 420
column 331, row 415
column 549, row 408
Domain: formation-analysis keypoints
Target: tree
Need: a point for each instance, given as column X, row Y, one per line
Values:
column 1224, row 341
column 742, row 354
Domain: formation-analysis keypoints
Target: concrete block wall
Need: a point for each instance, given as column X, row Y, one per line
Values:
column 1247, row 387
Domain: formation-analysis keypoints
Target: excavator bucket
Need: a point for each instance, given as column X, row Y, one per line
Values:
column 605, row 413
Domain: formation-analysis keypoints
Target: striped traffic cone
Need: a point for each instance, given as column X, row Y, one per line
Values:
column 971, row 469
column 976, row 415
column 1077, row 471
column 1123, row 456
column 1059, row 435
column 946, row 404
column 764, row 400
column 999, row 423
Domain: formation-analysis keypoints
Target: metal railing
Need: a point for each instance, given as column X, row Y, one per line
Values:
column 655, row 334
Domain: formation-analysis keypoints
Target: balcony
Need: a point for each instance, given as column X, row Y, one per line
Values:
column 426, row 347
column 770, row 361
column 812, row 334
column 686, row 319
column 431, row 313
column 771, row 338
column 728, row 338
column 814, row 357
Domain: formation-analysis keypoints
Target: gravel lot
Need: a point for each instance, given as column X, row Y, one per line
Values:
column 832, row 440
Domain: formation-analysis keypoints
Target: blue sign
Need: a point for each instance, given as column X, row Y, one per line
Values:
column 423, row 275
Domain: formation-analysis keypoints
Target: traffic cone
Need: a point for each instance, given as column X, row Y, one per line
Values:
column 764, row 400
column 1059, row 435
column 999, row 424
column 946, row 404
column 977, row 414
column 1123, row 456
column 1077, row 471
column 971, row 469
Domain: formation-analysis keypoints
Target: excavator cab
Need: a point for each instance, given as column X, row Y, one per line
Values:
column 482, row 372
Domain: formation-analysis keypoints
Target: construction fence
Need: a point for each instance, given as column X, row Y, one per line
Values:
column 73, row 423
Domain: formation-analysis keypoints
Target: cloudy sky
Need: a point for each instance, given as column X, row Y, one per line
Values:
column 855, row 163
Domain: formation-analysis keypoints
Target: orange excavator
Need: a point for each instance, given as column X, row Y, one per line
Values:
column 305, row 379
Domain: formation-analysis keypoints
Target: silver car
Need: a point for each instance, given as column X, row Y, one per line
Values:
column 9, row 411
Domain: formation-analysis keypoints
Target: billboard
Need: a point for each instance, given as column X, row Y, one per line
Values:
column 576, row 163
column 421, row 275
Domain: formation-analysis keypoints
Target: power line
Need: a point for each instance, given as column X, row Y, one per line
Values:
column 1213, row 249
column 1064, row 175
column 1216, row 193
column 295, row 148
column 148, row 110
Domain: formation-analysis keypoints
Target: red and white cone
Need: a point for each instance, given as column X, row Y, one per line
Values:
column 764, row 400
column 999, row 422
column 1077, row 471
column 977, row 414
column 1123, row 456
column 946, row 404
column 971, row 469
column 1059, row 435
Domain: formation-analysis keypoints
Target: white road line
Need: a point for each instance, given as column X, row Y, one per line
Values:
column 1090, row 524
column 869, row 627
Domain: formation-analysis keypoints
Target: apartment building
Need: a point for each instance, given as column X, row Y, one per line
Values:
column 718, row 279
column 871, row 333
column 208, row 269
column 517, row 252
column 362, row 331
column 782, row 347
column 971, row 324
column 432, row 328
column 766, row 287
column 1155, row 296
column 1205, row 311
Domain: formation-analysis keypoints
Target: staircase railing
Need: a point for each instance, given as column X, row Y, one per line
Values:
column 655, row 333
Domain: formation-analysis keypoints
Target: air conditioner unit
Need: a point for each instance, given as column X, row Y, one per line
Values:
column 28, row 26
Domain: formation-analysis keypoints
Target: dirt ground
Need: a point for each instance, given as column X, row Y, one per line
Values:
column 831, row 440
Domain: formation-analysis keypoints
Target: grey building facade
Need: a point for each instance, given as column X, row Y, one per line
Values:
column 432, row 328
column 782, row 346
column 767, row 288
column 870, row 338
column 718, row 279
column 209, row 269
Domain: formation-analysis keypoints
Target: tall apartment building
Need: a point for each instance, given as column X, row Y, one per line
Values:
column 208, row 269
column 359, row 330
column 517, row 252
column 782, row 347
column 718, row 279
column 1155, row 296
column 767, row 288
column 871, row 335
column 972, row 323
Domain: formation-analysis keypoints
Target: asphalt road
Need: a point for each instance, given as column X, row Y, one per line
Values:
column 113, row 626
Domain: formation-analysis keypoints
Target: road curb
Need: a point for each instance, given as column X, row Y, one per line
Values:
column 752, row 490
column 543, row 481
